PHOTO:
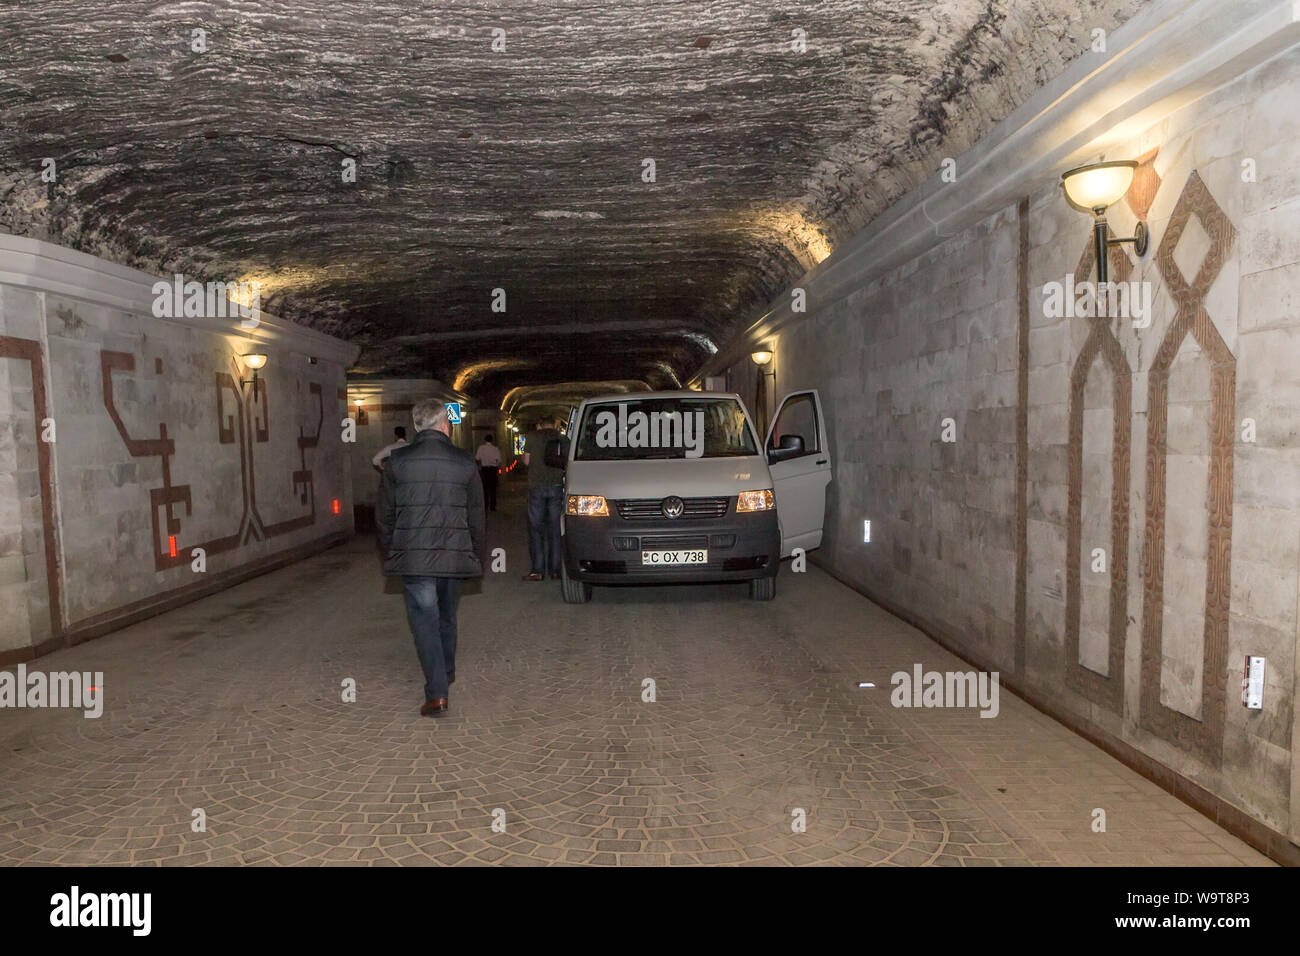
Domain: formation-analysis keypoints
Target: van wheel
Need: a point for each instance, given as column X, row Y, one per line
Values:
column 762, row 589
column 575, row 592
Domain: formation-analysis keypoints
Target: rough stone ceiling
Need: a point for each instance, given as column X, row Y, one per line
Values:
column 519, row 170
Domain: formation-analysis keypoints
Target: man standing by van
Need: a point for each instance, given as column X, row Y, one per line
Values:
column 545, row 499
column 430, row 519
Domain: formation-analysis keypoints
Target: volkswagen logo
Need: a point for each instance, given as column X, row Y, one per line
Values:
column 672, row 507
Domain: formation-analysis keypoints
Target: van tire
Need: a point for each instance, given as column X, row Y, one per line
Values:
column 575, row 592
column 762, row 589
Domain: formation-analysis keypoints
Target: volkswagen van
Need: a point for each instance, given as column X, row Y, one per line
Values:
column 676, row 488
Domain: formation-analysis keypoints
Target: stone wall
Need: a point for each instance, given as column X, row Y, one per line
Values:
column 140, row 467
column 25, row 592
column 1117, row 522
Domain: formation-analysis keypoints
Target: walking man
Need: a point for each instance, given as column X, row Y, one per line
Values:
column 430, row 519
column 545, row 499
column 488, row 457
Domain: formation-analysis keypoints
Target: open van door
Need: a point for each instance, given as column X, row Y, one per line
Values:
column 799, row 460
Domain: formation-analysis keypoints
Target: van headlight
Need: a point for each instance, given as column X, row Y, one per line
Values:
column 755, row 501
column 593, row 506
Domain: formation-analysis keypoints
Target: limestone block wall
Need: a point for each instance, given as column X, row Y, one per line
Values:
column 1168, row 446
column 25, row 511
column 141, row 469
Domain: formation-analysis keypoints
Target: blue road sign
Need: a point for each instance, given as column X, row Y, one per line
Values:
column 453, row 412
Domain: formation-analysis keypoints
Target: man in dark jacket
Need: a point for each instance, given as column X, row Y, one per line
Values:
column 430, row 519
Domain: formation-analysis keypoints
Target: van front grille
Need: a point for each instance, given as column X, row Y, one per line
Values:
column 651, row 509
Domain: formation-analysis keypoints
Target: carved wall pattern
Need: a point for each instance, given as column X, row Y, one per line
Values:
column 240, row 420
column 1204, row 736
column 29, row 350
column 1105, row 689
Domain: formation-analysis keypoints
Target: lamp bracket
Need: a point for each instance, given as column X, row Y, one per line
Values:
column 1140, row 240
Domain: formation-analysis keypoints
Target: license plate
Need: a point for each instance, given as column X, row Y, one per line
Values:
column 674, row 557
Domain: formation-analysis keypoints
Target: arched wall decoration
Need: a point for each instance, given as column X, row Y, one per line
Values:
column 1104, row 689
column 1205, row 736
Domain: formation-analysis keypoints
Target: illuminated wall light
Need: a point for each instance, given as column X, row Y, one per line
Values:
column 866, row 532
column 1094, row 188
column 253, row 361
column 171, row 544
column 336, row 506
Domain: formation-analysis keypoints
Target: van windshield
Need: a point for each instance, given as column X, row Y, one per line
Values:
column 639, row 429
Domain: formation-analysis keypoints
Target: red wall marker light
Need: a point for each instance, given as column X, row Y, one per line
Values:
column 171, row 544
column 336, row 506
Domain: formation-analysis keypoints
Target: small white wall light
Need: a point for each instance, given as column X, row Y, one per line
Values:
column 866, row 532
column 761, row 357
column 1252, row 684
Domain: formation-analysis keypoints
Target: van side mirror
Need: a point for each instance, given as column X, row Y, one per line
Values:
column 791, row 447
column 556, row 454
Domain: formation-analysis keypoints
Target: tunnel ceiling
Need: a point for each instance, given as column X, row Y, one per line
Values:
column 519, row 170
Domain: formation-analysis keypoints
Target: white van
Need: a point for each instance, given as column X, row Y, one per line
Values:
column 674, row 488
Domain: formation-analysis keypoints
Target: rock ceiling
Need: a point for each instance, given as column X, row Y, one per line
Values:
column 511, row 160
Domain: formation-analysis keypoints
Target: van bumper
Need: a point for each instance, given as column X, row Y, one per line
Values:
column 608, row 550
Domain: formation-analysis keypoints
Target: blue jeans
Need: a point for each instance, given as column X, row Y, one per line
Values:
column 544, row 505
column 431, row 609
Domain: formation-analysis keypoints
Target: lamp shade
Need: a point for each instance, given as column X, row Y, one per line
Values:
column 1093, row 188
column 255, row 361
column 761, row 357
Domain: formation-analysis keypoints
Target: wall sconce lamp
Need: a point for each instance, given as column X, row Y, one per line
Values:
column 762, row 359
column 1093, row 188
column 253, row 362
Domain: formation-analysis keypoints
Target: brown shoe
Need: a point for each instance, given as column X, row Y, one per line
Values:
column 534, row 577
column 434, row 708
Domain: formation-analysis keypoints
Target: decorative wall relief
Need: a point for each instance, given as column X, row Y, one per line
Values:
column 240, row 420
column 1203, row 736
column 1101, row 345
column 29, row 350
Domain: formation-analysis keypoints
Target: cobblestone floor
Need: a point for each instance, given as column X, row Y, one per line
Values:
column 233, row 705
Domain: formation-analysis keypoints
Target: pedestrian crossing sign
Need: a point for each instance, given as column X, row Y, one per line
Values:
column 453, row 412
